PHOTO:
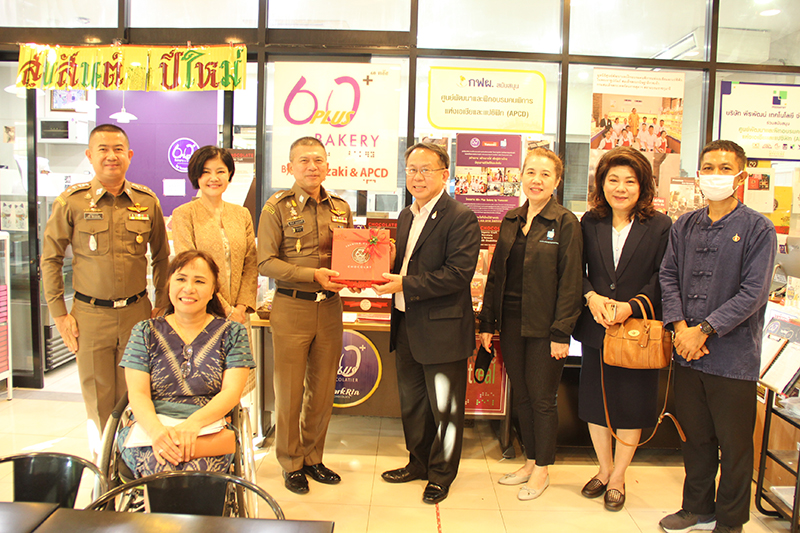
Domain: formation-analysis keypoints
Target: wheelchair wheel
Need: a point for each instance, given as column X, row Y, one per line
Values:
column 244, row 463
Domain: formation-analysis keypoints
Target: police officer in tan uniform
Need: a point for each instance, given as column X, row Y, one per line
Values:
column 294, row 248
column 109, row 222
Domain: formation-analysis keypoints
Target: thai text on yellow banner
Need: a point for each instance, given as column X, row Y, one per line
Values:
column 132, row 68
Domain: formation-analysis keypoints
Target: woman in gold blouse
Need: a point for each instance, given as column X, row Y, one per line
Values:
column 220, row 228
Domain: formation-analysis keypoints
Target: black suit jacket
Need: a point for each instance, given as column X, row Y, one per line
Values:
column 637, row 271
column 436, row 287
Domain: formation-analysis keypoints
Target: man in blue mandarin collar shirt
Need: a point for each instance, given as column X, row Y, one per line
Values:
column 715, row 280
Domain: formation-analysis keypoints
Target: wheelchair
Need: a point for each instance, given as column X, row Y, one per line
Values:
column 238, row 501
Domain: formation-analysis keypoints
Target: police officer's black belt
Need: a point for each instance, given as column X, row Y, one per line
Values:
column 116, row 304
column 312, row 296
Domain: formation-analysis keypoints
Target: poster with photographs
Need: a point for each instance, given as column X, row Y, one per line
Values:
column 684, row 195
column 642, row 110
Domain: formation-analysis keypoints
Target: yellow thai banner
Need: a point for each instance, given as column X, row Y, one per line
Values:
column 132, row 68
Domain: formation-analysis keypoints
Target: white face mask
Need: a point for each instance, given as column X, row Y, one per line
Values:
column 717, row 187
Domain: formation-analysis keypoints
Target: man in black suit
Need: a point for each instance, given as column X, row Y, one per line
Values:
column 605, row 122
column 433, row 326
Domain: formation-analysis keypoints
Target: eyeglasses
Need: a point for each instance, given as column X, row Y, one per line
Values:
column 426, row 172
column 186, row 365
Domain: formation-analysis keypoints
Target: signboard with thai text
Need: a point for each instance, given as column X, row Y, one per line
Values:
column 132, row 68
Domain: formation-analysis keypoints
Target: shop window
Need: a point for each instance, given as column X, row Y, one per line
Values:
column 59, row 14
column 375, row 15
column 503, row 25
column 752, row 110
column 379, row 203
column 194, row 14
column 14, row 210
column 760, row 32
column 479, row 100
column 587, row 106
column 631, row 28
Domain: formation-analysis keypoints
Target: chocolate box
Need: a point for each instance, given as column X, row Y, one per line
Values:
column 360, row 256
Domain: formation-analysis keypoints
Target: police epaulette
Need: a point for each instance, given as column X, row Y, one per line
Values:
column 77, row 187
column 280, row 194
column 143, row 188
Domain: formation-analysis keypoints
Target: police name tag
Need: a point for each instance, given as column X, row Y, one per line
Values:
column 92, row 215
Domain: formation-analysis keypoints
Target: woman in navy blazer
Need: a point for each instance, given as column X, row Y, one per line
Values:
column 624, row 239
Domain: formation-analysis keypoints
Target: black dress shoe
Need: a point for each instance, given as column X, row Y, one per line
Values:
column 400, row 475
column 434, row 493
column 615, row 500
column 594, row 488
column 322, row 474
column 296, row 482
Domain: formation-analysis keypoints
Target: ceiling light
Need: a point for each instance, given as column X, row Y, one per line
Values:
column 123, row 117
column 13, row 89
column 770, row 12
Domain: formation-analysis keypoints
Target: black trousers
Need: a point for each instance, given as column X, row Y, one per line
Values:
column 432, row 408
column 718, row 415
column 535, row 377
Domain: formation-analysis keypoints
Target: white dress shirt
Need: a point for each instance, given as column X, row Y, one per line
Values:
column 421, row 215
column 618, row 239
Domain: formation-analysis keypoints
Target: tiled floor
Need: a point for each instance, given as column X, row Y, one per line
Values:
column 360, row 448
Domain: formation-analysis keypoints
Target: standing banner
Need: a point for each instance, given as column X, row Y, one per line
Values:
column 762, row 118
column 352, row 108
column 484, row 99
column 643, row 110
column 132, row 68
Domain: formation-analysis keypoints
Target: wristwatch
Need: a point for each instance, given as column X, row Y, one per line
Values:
column 707, row 328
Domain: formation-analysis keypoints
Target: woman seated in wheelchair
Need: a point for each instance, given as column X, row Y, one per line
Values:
column 191, row 364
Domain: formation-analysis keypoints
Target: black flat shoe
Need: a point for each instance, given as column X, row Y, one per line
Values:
column 322, row 474
column 614, row 500
column 594, row 488
column 400, row 475
column 296, row 482
column 434, row 493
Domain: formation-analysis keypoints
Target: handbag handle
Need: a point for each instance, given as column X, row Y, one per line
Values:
column 649, row 304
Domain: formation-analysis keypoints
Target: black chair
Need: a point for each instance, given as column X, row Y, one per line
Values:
column 51, row 477
column 190, row 492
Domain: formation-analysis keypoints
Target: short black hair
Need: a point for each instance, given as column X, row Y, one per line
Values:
column 438, row 150
column 726, row 146
column 214, row 306
column 199, row 158
column 306, row 141
column 110, row 128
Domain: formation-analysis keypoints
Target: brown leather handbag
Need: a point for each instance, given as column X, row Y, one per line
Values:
column 638, row 342
column 222, row 442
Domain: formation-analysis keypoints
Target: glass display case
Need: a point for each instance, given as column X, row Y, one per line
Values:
column 5, row 313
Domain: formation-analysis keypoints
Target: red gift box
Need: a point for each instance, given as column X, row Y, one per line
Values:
column 360, row 256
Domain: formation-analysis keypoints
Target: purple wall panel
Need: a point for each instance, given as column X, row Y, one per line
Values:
column 162, row 118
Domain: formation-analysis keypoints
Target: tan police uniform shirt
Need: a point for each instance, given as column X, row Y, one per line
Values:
column 295, row 236
column 109, row 237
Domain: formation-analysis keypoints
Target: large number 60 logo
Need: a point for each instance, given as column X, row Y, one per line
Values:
column 337, row 119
